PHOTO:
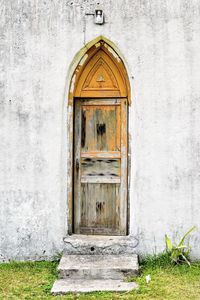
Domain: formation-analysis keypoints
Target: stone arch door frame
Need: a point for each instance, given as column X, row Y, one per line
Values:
column 77, row 66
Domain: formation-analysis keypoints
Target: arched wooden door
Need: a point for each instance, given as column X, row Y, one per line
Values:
column 100, row 145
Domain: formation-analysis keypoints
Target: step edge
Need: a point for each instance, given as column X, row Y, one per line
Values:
column 129, row 286
column 88, row 268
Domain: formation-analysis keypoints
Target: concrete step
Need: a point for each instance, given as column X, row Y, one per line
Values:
column 63, row 286
column 99, row 245
column 98, row 266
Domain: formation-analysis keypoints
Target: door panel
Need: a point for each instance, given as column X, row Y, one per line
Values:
column 99, row 208
column 99, row 127
column 100, row 166
column 93, row 167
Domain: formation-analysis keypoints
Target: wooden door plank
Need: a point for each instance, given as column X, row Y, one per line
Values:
column 107, row 102
column 101, row 154
column 94, row 167
column 124, row 173
column 118, row 128
column 77, row 171
column 99, row 179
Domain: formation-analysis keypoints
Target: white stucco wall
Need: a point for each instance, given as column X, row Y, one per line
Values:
column 160, row 41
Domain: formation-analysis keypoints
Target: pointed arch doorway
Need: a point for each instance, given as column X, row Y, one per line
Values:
column 100, row 91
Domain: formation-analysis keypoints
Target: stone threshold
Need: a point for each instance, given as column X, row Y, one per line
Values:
column 99, row 245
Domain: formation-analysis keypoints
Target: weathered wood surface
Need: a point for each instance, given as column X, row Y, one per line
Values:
column 101, row 131
column 102, row 77
column 100, row 167
column 102, row 154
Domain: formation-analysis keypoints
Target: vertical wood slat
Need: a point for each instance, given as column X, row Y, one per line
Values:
column 118, row 129
column 124, row 170
column 77, row 171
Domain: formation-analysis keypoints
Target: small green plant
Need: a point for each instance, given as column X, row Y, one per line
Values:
column 179, row 253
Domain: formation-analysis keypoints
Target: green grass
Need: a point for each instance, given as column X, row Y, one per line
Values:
column 33, row 280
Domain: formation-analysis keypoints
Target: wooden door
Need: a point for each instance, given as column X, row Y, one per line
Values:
column 100, row 166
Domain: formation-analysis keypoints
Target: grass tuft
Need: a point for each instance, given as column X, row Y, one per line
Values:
column 160, row 260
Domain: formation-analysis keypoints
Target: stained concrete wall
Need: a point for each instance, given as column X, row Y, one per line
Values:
column 160, row 41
